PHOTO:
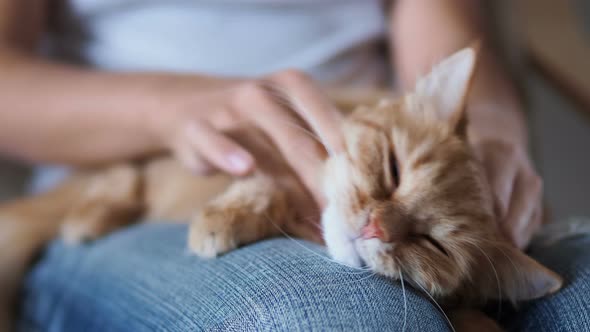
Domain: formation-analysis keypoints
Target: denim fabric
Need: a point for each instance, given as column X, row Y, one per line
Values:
column 143, row 279
column 569, row 309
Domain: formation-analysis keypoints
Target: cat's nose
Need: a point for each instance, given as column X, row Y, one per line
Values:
column 388, row 224
column 374, row 228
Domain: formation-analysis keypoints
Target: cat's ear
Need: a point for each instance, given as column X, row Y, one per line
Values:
column 519, row 277
column 447, row 85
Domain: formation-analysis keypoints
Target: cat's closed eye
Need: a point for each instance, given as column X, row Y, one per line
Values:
column 436, row 244
column 393, row 171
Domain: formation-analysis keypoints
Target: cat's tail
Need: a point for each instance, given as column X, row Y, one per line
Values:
column 26, row 226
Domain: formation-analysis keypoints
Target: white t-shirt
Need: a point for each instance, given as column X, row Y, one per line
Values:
column 336, row 41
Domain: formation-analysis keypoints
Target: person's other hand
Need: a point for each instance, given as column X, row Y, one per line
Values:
column 517, row 188
column 192, row 124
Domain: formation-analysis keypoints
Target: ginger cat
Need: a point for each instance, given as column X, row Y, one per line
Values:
column 407, row 199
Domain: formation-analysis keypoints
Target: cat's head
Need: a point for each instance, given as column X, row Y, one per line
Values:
column 408, row 199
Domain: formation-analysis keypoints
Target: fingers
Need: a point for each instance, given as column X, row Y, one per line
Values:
column 501, row 166
column 300, row 150
column 524, row 213
column 288, row 107
column 187, row 156
column 503, row 185
column 313, row 106
column 203, row 146
column 517, row 190
column 533, row 226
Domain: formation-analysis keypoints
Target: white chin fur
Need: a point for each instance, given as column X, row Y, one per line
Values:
column 340, row 246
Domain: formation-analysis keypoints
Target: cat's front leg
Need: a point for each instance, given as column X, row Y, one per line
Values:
column 111, row 199
column 251, row 209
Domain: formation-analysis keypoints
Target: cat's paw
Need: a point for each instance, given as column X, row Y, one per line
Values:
column 211, row 235
column 346, row 255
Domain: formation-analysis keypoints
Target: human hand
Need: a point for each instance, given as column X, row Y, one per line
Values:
column 191, row 123
column 516, row 186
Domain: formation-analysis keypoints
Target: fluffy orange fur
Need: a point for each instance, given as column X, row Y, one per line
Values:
column 408, row 168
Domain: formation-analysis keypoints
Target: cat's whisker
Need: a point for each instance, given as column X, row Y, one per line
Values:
column 494, row 243
column 359, row 270
column 312, row 220
column 438, row 306
column 401, row 278
column 495, row 274
column 516, row 268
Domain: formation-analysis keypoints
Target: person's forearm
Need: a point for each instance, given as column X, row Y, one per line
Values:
column 58, row 113
column 425, row 31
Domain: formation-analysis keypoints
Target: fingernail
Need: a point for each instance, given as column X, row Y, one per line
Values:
column 239, row 162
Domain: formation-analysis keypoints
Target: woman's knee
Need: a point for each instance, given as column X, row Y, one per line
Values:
column 295, row 285
column 146, row 273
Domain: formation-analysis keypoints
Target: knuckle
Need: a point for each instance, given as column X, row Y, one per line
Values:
column 248, row 93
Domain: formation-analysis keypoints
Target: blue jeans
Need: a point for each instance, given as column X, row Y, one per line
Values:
column 143, row 279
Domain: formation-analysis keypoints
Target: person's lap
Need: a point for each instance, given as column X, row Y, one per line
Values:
column 568, row 309
column 143, row 279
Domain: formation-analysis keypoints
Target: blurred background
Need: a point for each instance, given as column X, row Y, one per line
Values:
column 556, row 75
column 548, row 42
